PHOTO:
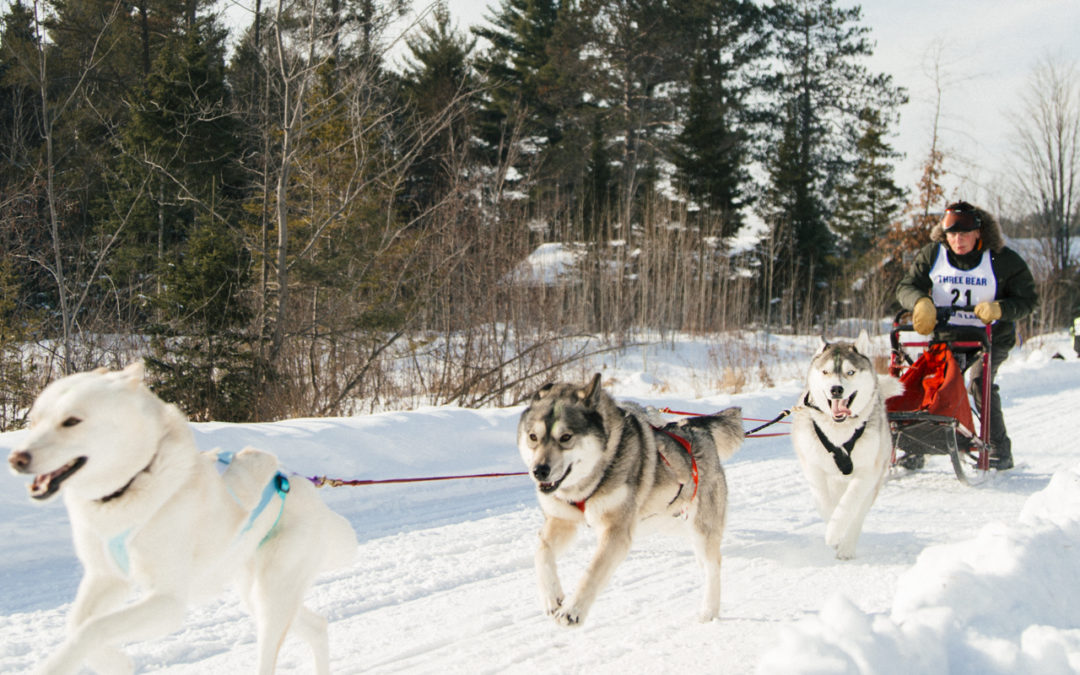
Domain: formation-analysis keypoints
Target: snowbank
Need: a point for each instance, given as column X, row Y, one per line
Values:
column 966, row 607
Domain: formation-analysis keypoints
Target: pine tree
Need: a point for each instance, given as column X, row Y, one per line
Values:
column 598, row 195
column 20, row 105
column 16, row 324
column 179, row 161
column 202, row 359
column 711, row 154
column 869, row 201
column 819, row 90
column 533, row 118
column 438, row 85
column 513, row 68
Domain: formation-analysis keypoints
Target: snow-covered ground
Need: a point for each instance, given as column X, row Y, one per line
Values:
column 948, row 578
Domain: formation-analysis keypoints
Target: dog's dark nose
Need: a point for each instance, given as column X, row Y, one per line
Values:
column 19, row 460
column 541, row 472
column 837, row 391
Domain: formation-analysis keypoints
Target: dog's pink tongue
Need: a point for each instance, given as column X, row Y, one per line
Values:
column 839, row 409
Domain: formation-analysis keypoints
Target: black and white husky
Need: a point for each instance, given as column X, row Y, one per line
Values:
column 840, row 430
column 607, row 465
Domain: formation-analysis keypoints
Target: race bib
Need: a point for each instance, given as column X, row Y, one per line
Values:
column 954, row 287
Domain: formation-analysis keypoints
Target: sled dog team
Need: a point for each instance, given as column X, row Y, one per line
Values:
column 158, row 525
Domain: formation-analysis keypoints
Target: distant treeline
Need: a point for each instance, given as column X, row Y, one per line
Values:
column 281, row 218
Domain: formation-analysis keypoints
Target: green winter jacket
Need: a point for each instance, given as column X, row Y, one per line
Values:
column 1015, row 285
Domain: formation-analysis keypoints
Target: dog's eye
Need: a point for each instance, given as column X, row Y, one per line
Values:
column 70, row 422
column 850, row 373
column 532, row 437
column 565, row 438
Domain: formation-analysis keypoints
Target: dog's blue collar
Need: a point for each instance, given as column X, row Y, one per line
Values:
column 278, row 485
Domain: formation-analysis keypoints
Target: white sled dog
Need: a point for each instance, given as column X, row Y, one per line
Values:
column 149, row 512
column 604, row 464
column 841, row 435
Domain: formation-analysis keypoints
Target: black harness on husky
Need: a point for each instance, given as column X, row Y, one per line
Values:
column 842, row 454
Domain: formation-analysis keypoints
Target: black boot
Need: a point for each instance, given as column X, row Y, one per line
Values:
column 1001, row 455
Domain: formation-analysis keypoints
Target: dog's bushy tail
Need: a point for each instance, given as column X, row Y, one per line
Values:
column 726, row 430
column 889, row 386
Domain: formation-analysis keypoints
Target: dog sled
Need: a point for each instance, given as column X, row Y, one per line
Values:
column 934, row 415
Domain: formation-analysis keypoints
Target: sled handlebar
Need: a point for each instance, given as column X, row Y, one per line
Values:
column 966, row 337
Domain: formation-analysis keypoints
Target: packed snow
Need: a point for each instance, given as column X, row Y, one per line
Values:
column 947, row 578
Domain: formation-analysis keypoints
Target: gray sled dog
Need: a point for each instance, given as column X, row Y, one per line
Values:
column 841, row 435
column 150, row 513
column 598, row 463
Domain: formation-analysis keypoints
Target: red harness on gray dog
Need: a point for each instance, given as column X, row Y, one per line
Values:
column 685, row 445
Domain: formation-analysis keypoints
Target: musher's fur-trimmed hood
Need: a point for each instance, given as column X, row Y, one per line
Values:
column 989, row 233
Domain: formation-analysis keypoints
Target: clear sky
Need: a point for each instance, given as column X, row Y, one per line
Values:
column 985, row 51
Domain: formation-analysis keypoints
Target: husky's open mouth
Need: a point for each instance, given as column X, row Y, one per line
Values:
column 554, row 485
column 841, row 408
column 45, row 485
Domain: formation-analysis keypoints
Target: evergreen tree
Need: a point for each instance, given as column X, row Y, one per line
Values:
column 20, row 105
column 202, row 359
column 179, row 160
column 711, row 153
column 869, row 201
column 523, row 114
column 819, row 90
column 519, row 33
column 16, row 326
column 598, row 196
column 640, row 50
column 438, row 86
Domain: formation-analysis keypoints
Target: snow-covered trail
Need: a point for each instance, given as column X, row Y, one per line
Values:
column 443, row 581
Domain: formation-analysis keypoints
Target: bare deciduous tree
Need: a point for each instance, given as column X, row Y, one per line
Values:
column 1048, row 173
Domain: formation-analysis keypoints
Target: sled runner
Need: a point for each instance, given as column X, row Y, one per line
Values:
column 934, row 415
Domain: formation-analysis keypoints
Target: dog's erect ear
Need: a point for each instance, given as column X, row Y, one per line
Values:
column 133, row 374
column 862, row 343
column 591, row 390
column 823, row 344
column 542, row 391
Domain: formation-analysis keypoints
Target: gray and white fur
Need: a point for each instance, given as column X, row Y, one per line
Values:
column 840, row 432
column 611, row 466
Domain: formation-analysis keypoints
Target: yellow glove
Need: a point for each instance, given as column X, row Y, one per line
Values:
column 988, row 312
column 924, row 316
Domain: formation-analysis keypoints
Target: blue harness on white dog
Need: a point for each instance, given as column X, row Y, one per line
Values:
column 278, row 485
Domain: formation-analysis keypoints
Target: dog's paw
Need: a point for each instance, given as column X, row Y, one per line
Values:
column 845, row 552
column 551, row 604
column 569, row 617
column 707, row 615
